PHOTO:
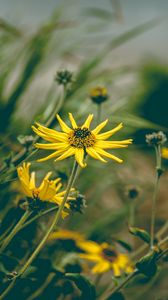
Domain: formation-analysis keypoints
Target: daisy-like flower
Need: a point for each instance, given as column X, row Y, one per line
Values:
column 105, row 258
column 48, row 190
column 79, row 141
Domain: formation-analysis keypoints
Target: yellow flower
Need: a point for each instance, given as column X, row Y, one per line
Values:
column 165, row 152
column 99, row 94
column 66, row 235
column 79, row 141
column 105, row 257
column 48, row 190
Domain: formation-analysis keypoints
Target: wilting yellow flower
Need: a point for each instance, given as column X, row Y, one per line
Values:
column 48, row 190
column 165, row 152
column 66, row 235
column 79, row 141
column 105, row 257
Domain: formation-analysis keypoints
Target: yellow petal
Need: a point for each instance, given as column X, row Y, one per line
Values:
column 79, row 156
column 164, row 152
column 73, row 122
column 32, row 181
column 102, row 267
column 63, row 126
column 109, row 145
column 54, row 154
column 88, row 121
column 106, row 154
column 48, row 175
column 25, row 188
column 52, row 146
column 67, row 153
column 106, row 135
column 99, row 127
column 94, row 154
column 90, row 247
column 116, row 269
column 48, row 134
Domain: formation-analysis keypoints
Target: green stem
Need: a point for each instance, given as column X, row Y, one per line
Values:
column 99, row 111
column 14, row 231
column 132, row 213
column 138, row 251
column 39, row 291
column 153, row 209
column 58, row 106
column 38, row 216
column 108, row 293
column 53, row 224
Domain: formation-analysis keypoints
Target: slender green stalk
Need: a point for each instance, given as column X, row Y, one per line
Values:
column 142, row 248
column 153, row 209
column 3, row 235
column 108, row 293
column 38, row 216
column 39, row 291
column 58, row 106
column 53, row 224
column 99, row 112
column 132, row 213
column 14, row 230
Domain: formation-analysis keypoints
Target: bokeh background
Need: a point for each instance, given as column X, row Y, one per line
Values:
column 122, row 45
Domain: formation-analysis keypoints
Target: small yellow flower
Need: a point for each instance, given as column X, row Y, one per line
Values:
column 66, row 235
column 79, row 141
column 99, row 94
column 165, row 152
column 48, row 190
column 105, row 257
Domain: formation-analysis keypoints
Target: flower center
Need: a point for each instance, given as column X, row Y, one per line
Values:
column 35, row 193
column 81, row 138
column 109, row 254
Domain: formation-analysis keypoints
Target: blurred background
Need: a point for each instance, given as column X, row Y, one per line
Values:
column 121, row 45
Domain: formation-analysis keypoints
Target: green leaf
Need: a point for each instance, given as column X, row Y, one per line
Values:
column 136, row 121
column 84, row 285
column 125, row 245
column 141, row 233
column 147, row 264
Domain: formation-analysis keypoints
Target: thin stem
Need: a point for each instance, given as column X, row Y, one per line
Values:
column 108, row 293
column 38, row 216
column 165, row 240
column 153, row 209
column 53, row 224
column 160, row 232
column 132, row 213
column 39, row 291
column 58, row 106
column 99, row 111
column 14, row 230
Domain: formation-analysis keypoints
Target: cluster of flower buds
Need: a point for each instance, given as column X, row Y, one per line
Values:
column 26, row 140
column 64, row 77
column 79, row 204
column 156, row 138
